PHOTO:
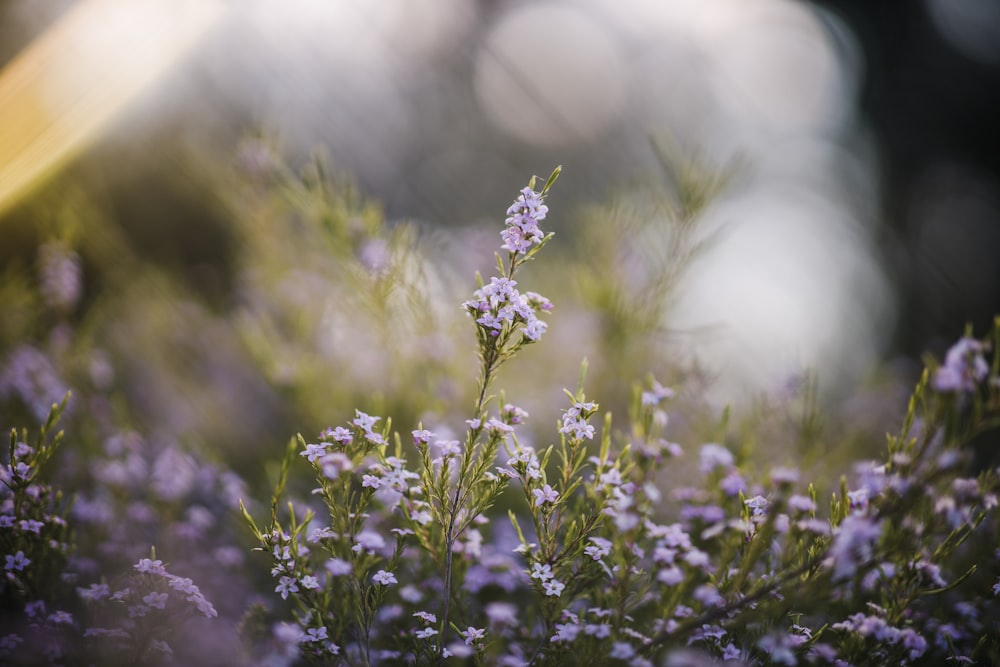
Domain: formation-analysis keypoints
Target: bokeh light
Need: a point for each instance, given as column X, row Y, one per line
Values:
column 549, row 91
column 438, row 108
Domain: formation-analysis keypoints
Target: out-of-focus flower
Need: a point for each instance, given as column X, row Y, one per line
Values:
column 31, row 376
column 853, row 544
column 384, row 578
column 714, row 456
column 60, row 275
column 963, row 367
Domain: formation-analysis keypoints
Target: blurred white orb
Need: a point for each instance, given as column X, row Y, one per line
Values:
column 550, row 75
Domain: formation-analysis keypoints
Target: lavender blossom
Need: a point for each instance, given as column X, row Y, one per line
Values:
column 964, row 366
column 522, row 231
column 853, row 544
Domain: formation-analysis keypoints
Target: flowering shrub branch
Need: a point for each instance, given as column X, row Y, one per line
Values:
column 494, row 543
column 749, row 570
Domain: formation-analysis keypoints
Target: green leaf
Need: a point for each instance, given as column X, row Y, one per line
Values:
column 249, row 519
column 551, row 179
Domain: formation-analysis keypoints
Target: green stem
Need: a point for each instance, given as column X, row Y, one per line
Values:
column 490, row 363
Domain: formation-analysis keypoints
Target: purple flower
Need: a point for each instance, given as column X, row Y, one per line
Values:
column 534, row 329
column 800, row 503
column 670, row 576
column 565, row 632
column 963, row 367
column 313, row 452
column 422, row 436
column 599, row 630
column 553, row 587
column 492, row 322
column 708, row 595
column 656, row 394
column 858, row 499
column 285, row 586
column 696, row 558
column 448, row 448
column 472, row 635
column 156, row 600
column 32, row 526
column 513, row 415
column 288, row 633
column 314, row 635
column 546, row 494
column 338, row 567
column 732, row 483
column 384, row 578
column 35, row 609
column 335, row 463
column 818, row 526
column 541, row 571
column 339, row 434
column 715, row 456
column 577, row 428
column 522, row 229
column 29, row 374
column 778, row 648
column 61, row 275
column 426, row 617
column 853, row 543
column 621, row 651
column 66, row 618
column 369, row 541
column 757, row 506
column 363, row 421
column 731, row 652
column 501, row 613
column 147, row 566
column 94, row 592
column 10, row 642
column 499, row 427
column 537, row 302
column 599, row 548
column 914, row 642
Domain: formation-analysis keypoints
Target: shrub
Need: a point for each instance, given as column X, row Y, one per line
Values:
column 406, row 559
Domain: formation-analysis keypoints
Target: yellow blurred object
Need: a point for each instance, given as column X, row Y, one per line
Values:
column 63, row 90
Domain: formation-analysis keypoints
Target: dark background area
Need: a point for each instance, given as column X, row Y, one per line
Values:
column 936, row 113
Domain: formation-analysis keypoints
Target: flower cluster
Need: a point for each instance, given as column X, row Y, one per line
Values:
column 60, row 615
column 499, row 305
column 522, row 231
column 35, row 545
column 60, row 275
column 28, row 375
column 964, row 367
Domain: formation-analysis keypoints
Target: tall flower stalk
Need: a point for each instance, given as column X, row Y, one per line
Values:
column 506, row 320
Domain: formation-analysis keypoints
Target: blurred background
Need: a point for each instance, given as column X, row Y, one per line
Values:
column 844, row 158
